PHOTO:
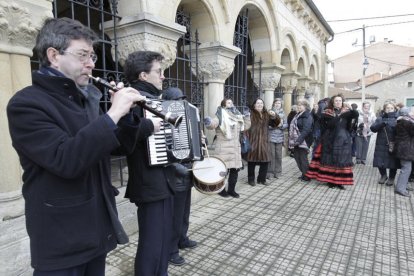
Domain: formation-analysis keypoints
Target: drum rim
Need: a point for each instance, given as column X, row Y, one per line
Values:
column 212, row 183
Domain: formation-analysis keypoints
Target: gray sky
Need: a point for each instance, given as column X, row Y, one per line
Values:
column 401, row 34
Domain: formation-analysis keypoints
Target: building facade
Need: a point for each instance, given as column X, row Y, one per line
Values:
column 214, row 48
column 397, row 88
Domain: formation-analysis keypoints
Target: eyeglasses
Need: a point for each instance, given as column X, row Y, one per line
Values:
column 84, row 56
column 159, row 71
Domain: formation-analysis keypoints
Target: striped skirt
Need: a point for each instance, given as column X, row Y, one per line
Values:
column 326, row 173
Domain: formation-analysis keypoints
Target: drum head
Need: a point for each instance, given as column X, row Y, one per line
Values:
column 209, row 175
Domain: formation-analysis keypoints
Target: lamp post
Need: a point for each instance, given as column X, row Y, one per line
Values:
column 365, row 64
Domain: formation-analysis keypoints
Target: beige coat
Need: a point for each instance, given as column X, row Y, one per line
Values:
column 228, row 150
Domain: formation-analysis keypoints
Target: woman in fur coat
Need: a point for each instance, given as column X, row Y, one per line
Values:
column 258, row 134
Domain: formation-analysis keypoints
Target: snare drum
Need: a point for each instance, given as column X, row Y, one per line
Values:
column 209, row 175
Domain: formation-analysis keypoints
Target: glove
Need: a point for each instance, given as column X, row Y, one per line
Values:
column 207, row 121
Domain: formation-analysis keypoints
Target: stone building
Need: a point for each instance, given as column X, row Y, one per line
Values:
column 241, row 49
column 385, row 59
column 397, row 88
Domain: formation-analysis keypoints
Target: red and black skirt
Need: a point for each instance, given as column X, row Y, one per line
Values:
column 330, row 174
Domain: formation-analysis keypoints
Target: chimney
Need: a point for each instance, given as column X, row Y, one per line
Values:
column 411, row 61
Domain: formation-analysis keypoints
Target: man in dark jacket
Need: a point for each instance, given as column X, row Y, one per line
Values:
column 151, row 188
column 64, row 146
column 182, row 197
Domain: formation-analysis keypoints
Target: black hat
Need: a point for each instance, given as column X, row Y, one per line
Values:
column 173, row 93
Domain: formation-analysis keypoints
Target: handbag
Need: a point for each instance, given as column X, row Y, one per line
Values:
column 244, row 143
column 391, row 144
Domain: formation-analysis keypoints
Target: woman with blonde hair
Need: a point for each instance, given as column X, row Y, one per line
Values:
column 301, row 137
column 276, row 139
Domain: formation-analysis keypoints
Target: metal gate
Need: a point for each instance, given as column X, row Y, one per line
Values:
column 239, row 86
column 184, row 71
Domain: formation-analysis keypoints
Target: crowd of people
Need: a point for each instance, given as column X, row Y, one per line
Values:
column 64, row 142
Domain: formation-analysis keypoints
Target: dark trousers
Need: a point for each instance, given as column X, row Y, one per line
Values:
column 383, row 171
column 301, row 158
column 232, row 180
column 181, row 220
column 95, row 267
column 154, row 242
column 262, row 171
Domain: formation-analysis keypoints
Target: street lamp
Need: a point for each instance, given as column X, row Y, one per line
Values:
column 364, row 68
column 364, row 65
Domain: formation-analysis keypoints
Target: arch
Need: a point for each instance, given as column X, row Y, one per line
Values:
column 301, row 67
column 289, row 42
column 286, row 60
column 304, row 53
column 203, row 18
column 316, row 67
column 312, row 72
column 262, row 39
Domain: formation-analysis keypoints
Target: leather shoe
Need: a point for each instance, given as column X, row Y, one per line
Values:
column 402, row 193
column 177, row 260
column 410, row 189
column 234, row 194
column 189, row 244
column 252, row 183
column 263, row 183
column 340, row 187
column 224, row 193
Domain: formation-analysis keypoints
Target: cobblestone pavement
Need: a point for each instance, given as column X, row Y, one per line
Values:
column 296, row 228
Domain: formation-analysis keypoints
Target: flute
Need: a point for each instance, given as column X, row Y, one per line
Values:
column 168, row 117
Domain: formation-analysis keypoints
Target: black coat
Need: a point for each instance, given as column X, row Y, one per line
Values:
column 66, row 161
column 305, row 126
column 404, row 138
column 336, row 137
column 147, row 183
column 385, row 123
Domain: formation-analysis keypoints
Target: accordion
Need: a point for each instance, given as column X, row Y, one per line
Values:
column 175, row 144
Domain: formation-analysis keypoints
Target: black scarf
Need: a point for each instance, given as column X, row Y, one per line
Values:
column 143, row 86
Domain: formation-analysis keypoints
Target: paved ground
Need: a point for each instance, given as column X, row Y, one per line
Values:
column 296, row 228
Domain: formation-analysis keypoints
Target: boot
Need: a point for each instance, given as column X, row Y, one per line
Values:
column 224, row 193
column 390, row 182
column 382, row 179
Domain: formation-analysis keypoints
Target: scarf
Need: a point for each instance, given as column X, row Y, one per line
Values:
column 143, row 86
column 228, row 119
column 294, row 133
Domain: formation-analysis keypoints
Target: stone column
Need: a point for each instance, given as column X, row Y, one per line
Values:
column 216, row 63
column 303, row 87
column 269, row 79
column 312, row 94
column 145, row 32
column 289, row 82
column 19, row 23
